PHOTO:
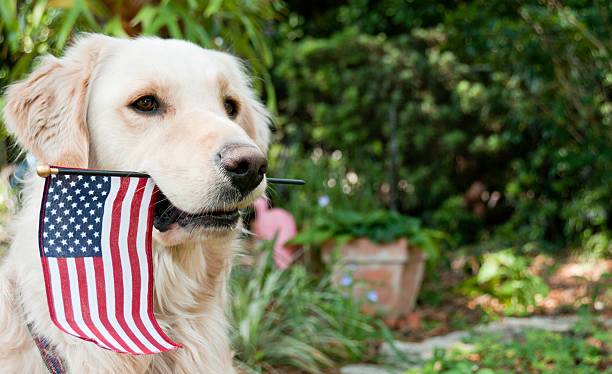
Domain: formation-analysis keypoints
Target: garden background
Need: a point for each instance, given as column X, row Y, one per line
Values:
column 488, row 122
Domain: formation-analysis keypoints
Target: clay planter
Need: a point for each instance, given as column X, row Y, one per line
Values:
column 393, row 270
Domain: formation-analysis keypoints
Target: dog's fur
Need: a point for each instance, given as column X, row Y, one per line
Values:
column 74, row 111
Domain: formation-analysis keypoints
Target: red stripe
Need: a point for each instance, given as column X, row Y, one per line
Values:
column 66, row 297
column 101, row 298
column 80, row 270
column 135, row 263
column 117, row 268
column 150, row 266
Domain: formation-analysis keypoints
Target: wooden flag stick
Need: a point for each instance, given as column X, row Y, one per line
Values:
column 46, row 170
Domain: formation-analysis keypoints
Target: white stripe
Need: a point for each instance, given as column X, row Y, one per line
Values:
column 144, row 266
column 125, row 264
column 56, row 291
column 93, row 304
column 107, row 261
column 73, row 280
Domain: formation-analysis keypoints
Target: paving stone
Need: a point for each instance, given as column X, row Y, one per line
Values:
column 369, row 369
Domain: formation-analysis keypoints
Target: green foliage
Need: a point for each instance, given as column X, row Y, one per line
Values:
column 379, row 226
column 505, row 276
column 35, row 27
column 515, row 96
column 584, row 350
column 292, row 319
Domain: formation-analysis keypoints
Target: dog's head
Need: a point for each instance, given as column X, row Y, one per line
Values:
column 185, row 115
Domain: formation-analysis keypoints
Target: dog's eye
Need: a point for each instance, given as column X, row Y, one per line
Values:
column 146, row 104
column 231, row 108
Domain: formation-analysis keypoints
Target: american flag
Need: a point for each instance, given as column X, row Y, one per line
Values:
column 95, row 248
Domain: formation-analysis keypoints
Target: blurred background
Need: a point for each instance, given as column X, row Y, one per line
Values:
column 472, row 139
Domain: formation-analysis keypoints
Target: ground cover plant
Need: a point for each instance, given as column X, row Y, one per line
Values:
column 293, row 319
column 585, row 349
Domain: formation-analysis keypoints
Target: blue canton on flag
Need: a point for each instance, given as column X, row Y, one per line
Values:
column 74, row 212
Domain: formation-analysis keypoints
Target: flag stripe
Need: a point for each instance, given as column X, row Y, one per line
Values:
column 109, row 237
column 79, row 273
column 145, row 223
column 125, row 304
column 132, row 249
column 56, row 296
column 75, row 299
column 66, row 296
column 99, row 275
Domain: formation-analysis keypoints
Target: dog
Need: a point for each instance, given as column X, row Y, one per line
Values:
column 188, row 117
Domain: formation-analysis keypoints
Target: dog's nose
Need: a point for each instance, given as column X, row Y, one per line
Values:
column 244, row 164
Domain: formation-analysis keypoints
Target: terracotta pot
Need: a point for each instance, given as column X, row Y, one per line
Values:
column 394, row 271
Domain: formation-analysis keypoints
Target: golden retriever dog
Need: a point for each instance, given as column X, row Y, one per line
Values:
column 186, row 116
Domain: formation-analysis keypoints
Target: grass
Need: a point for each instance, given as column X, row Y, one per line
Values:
column 585, row 349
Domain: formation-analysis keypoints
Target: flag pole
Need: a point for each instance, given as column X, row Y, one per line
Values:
column 46, row 170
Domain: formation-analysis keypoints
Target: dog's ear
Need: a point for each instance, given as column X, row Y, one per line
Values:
column 47, row 111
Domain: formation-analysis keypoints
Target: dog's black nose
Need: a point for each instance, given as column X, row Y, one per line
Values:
column 244, row 164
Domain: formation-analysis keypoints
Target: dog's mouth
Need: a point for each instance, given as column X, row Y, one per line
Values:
column 167, row 214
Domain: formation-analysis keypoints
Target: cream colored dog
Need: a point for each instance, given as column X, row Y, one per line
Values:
column 189, row 118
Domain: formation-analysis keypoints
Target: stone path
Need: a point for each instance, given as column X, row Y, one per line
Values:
column 508, row 328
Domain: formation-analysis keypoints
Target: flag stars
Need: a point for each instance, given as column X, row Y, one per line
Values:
column 46, row 219
column 105, row 179
column 82, row 198
column 64, row 227
column 99, row 205
column 86, row 185
column 90, row 227
column 92, row 212
column 70, row 235
column 51, row 242
column 66, row 212
column 51, row 227
column 64, row 241
column 61, row 204
column 76, row 241
column 83, row 234
column 45, row 235
column 79, row 177
column 96, row 249
column 71, row 219
column 53, row 211
column 55, row 197
column 89, row 241
column 58, row 219
column 84, row 219
column 99, row 185
column 97, row 219
column 69, row 198
column 59, row 249
column 72, row 184
column 64, row 190
column 79, row 212
column 77, row 227
column 96, row 234
column 77, row 191
column 93, row 178
column 71, row 249
column 57, row 234
column 83, row 249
